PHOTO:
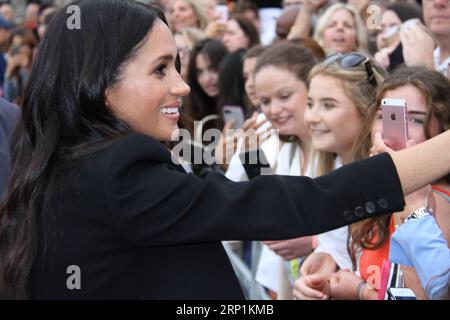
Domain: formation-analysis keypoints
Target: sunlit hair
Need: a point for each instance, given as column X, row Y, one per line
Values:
column 360, row 28
column 355, row 85
column 199, row 11
column 357, row 88
column 191, row 36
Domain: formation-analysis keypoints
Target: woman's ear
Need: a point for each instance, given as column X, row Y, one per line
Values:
column 107, row 94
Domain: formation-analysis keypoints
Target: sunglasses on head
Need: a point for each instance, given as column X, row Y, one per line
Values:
column 351, row 60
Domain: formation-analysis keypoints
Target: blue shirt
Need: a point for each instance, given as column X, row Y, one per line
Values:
column 419, row 243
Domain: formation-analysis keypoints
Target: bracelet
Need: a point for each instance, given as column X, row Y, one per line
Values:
column 359, row 290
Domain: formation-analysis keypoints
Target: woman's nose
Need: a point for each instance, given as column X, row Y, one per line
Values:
column 180, row 88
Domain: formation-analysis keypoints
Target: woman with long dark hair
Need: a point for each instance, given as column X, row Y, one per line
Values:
column 95, row 195
column 203, row 78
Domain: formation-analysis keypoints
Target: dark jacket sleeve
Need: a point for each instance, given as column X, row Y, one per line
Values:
column 153, row 203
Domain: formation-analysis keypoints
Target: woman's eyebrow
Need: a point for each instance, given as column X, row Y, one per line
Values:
column 417, row 112
column 164, row 58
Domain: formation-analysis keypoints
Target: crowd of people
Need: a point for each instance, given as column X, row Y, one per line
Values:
column 308, row 76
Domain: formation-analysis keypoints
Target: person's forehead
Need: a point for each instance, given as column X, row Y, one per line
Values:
column 159, row 41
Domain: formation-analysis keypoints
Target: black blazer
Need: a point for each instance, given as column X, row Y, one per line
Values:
column 138, row 226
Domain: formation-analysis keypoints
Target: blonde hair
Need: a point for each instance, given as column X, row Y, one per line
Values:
column 191, row 36
column 360, row 29
column 355, row 84
column 199, row 11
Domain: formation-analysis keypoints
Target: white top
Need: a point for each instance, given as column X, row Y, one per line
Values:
column 334, row 242
column 268, row 18
column 441, row 67
column 270, row 264
column 284, row 159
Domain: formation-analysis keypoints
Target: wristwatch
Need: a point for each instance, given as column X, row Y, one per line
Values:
column 419, row 213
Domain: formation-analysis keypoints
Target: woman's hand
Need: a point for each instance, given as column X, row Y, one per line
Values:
column 315, row 273
column 215, row 30
column 226, row 146
column 383, row 56
column 410, row 37
column 379, row 146
column 292, row 248
column 343, row 285
column 312, row 287
column 251, row 134
column 252, row 138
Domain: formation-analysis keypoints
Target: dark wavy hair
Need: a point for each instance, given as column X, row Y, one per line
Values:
column 248, row 28
column 199, row 104
column 64, row 118
column 231, row 81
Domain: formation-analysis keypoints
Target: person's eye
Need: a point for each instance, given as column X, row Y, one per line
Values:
column 328, row 105
column 331, row 25
column 309, row 104
column 285, row 96
column 348, row 25
column 264, row 101
column 416, row 120
column 161, row 70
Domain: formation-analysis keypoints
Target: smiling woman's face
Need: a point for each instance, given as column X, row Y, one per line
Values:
column 147, row 95
column 282, row 98
column 331, row 117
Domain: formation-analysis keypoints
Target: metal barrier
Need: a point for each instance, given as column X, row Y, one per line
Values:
column 246, row 276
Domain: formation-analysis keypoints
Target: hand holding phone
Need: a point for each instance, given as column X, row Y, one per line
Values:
column 395, row 125
column 234, row 113
column 391, row 35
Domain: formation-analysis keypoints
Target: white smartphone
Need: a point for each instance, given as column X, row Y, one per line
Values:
column 222, row 13
column 391, row 34
column 235, row 113
column 395, row 124
column 401, row 294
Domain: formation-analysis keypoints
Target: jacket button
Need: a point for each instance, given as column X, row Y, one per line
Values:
column 370, row 207
column 382, row 203
column 359, row 212
column 348, row 216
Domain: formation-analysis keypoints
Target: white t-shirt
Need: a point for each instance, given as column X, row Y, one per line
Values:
column 441, row 67
column 270, row 264
column 334, row 242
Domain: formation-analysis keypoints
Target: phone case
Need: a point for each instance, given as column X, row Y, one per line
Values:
column 401, row 294
column 395, row 125
column 234, row 113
